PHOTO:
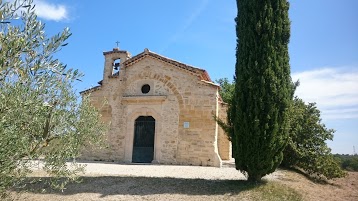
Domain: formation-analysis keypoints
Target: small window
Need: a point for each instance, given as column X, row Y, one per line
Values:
column 145, row 88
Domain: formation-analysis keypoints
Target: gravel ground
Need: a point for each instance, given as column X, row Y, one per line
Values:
column 227, row 172
column 176, row 171
column 113, row 181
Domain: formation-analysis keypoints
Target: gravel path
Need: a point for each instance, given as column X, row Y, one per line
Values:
column 227, row 172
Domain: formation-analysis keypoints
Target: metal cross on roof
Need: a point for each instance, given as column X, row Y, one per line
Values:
column 117, row 43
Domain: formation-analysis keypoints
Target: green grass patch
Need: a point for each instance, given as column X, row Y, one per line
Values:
column 275, row 191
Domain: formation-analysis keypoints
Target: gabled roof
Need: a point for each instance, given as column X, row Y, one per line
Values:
column 203, row 75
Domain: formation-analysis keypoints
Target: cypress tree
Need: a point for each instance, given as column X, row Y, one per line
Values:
column 263, row 90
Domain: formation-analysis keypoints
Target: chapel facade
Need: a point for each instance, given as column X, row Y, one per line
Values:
column 159, row 110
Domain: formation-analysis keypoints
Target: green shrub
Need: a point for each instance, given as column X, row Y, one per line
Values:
column 307, row 148
column 347, row 162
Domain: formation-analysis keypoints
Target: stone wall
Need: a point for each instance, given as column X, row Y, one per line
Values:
column 225, row 149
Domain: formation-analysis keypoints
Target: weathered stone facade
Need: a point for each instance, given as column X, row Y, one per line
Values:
column 182, row 100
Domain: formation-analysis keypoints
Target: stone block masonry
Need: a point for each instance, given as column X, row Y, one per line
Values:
column 182, row 99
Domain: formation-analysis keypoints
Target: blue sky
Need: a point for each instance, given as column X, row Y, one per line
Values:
column 323, row 46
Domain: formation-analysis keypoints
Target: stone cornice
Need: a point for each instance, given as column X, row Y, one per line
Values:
column 116, row 50
column 142, row 99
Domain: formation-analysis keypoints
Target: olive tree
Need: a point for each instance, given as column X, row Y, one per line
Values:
column 40, row 112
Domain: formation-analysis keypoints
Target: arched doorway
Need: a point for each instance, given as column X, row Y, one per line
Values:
column 143, row 143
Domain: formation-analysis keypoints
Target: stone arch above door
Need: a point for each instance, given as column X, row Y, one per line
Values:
column 165, row 80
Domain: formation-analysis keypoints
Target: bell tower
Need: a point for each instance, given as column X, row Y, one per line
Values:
column 114, row 62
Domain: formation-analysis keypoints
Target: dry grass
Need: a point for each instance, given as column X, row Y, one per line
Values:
column 342, row 189
column 289, row 186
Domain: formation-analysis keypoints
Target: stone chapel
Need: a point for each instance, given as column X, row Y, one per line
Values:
column 159, row 110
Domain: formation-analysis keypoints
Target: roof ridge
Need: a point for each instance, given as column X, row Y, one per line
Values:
column 176, row 61
column 203, row 73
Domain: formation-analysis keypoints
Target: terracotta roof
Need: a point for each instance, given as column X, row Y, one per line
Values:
column 91, row 89
column 203, row 75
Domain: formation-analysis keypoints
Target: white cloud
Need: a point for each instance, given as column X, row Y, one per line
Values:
column 335, row 90
column 348, row 113
column 48, row 11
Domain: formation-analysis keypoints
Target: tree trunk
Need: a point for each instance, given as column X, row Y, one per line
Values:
column 254, row 178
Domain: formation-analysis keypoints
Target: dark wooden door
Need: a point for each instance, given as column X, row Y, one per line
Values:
column 143, row 144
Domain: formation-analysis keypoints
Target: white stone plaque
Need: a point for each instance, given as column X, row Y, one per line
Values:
column 186, row 124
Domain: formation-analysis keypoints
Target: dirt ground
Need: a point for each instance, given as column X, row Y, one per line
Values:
column 159, row 182
column 342, row 189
